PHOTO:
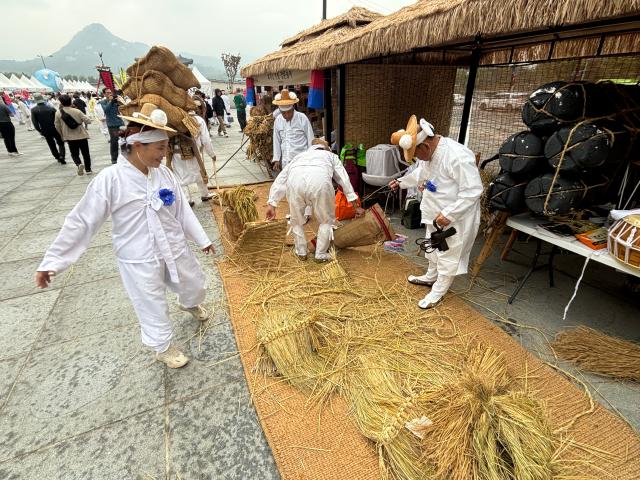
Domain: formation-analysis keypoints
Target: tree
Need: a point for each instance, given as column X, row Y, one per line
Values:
column 231, row 63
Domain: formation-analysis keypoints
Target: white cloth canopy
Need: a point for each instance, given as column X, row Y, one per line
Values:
column 4, row 81
column 14, row 81
column 40, row 86
column 205, row 85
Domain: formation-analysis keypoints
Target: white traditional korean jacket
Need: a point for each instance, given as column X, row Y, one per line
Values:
column 454, row 190
column 291, row 138
column 145, row 229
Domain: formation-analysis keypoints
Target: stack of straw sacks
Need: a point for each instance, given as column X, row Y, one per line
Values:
column 161, row 79
column 259, row 130
column 436, row 404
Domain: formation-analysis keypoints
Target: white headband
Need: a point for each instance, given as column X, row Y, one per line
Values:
column 147, row 136
column 285, row 108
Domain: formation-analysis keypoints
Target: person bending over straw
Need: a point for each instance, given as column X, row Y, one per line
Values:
column 307, row 182
column 151, row 224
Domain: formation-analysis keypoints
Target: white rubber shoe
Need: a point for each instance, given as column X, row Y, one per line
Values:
column 199, row 312
column 429, row 302
column 172, row 357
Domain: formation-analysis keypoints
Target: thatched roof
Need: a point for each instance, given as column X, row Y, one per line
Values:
column 438, row 23
column 355, row 17
column 310, row 41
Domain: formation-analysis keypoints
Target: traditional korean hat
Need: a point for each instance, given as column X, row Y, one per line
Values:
column 412, row 136
column 151, row 116
column 285, row 97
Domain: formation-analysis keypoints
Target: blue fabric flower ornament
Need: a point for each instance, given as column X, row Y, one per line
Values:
column 430, row 185
column 167, row 196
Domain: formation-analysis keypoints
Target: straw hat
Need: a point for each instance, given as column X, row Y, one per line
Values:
column 285, row 97
column 151, row 116
column 412, row 136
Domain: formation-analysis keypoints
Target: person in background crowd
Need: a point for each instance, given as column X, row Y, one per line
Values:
column 8, row 131
column 241, row 106
column 98, row 114
column 220, row 110
column 151, row 223
column 114, row 122
column 25, row 113
column 43, row 117
column 203, row 142
column 79, row 103
column 70, row 123
column 227, row 106
column 53, row 101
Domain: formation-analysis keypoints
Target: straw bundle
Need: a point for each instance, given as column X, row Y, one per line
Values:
column 597, row 352
column 483, row 430
column 158, row 83
column 177, row 118
column 163, row 60
column 259, row 130
column 242, row 201
column 261, row 243
column 286, row 347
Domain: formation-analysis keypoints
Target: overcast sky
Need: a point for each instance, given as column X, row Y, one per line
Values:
column 201, row 27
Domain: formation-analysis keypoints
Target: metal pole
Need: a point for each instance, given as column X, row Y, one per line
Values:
column 468, row 94
column 328, row 106
column 42, row 58
column 341, row 106
column 324, row 9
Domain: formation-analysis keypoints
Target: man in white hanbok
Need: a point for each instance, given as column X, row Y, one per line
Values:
column 151, row 223
column 292, row 131
column 451, row 188
column 307, row 182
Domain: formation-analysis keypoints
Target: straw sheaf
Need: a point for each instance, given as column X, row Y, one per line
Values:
column 435, row 23
column 177, row 117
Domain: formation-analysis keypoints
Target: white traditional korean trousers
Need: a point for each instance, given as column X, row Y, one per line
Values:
column 455, row 189
column 307, row 182
column 149, row 239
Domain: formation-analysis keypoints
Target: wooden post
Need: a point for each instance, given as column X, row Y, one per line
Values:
column 496, row 229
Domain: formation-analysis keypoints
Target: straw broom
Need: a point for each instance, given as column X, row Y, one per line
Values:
column 597, row 352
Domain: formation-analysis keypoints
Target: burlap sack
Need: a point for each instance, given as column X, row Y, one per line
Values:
column 163, row 60
column 372, row 228
column 177, row 117
column 232, row 224
column 158, row 83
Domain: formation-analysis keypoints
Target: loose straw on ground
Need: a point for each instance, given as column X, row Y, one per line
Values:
column 599, row 353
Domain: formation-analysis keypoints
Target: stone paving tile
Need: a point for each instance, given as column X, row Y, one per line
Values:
column 11, row 226
column 73, row 387
column 216, row 436
column 9, row 368
column 239, row 180
column 131, row 449
column 54, row 183
column 45, row 221
column 8, row 209
column 21, row 320
column 89, row 309
column 97, row 263
column 27, row 245
column 26, row 194
column 17, row 278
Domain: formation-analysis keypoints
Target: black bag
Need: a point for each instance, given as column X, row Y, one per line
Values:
column 412, row 216
column 506, row 194
column 209, row 113
column 522, row 155
column 556, row 104
column 588, row 147
column 69, row 120
column 567, row 193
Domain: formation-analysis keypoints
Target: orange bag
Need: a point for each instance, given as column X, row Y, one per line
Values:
column 344, row 209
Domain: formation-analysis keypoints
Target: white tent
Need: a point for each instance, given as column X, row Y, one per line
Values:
column 15, row 81
column 26, row 84
column 39, row 86
column 205, row 85
column 5, row 83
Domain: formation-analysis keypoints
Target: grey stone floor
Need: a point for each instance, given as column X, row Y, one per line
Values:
column 80, row 398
